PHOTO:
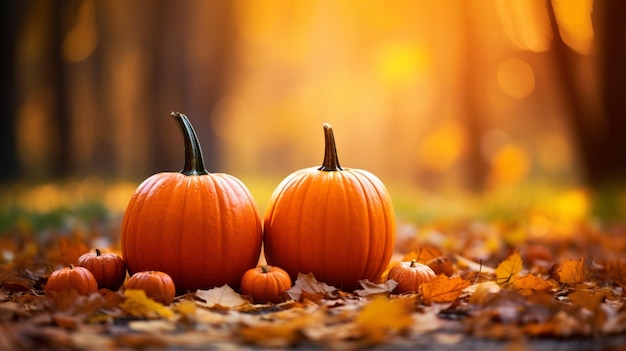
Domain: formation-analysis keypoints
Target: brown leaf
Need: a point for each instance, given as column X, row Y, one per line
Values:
column 307, row 287
column 443, row 289
column 373, row 289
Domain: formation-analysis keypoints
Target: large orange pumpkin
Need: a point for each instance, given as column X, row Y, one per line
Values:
column 337, row 223
column 203, row 229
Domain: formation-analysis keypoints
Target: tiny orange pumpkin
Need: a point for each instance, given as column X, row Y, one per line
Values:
column 108, row 268
column 79, row 279
column 158, row 286
column 265, row 283
column 410, row 275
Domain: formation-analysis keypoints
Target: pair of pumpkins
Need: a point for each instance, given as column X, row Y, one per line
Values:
column 93, row 271
column 204, row 230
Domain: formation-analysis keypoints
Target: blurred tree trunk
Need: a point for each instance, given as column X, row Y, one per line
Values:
column 10, row 11
column 599, row 127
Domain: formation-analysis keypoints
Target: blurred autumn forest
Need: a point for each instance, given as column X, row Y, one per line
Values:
column 454, row 94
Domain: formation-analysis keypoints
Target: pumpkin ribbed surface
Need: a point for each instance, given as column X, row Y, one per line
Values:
column 265, row 284
column 201, row 228
column 158, row 286
column 79, row 279
column 337, row 223
column 410, row 275
column 109, row 269
column 203, row 231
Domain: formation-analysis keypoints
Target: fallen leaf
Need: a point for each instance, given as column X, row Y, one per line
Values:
column 443, row 289
column 372, row 289
column 508, row 269
column 572, row 271
column 382, row 317
column 222, row 297
column 307, row 287
column 139, row 305
column 482, row 291
column 529, row 284
column 586, row 299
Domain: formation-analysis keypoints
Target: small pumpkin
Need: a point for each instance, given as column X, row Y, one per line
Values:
column 337, row 223
column 108, row 268
column 201, row 228
column 79, row 279
column 265, row 283
column 410, row 275
column 158, row 286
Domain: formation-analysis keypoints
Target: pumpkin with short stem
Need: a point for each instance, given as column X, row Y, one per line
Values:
column 108, row 268
column 158, row 286
column 410, row 275
column 265, row 283
column 79, row 279
column 201, row 228
column 337, row 223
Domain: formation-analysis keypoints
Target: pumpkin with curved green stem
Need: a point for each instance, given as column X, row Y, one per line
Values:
column 337, row 223
column 201, row 228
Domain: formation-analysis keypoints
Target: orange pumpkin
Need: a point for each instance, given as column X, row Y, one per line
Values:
column 201, row 228
column 158, row 286
column 265, row 284
column 410, row 275
column 337, row 223
column 109, row 269
column 79, row 279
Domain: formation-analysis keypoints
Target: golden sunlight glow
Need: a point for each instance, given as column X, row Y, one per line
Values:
column 81, row 40
column 526, row 23
column 575, row 27
column 443, row 146
column 401, row 63
column 509, row 165
column 516, row 78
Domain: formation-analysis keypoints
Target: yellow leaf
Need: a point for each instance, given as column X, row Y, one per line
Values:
column 572, row 271
column 382, row 317
column 508, row 269
column 443, row 289
column 529, row 284
column 138, row 304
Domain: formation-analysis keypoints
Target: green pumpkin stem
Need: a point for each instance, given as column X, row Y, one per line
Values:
column 331, row 161
column 265, row 268
column 194, row 161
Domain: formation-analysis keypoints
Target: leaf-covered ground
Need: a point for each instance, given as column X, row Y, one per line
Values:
column 533, row 282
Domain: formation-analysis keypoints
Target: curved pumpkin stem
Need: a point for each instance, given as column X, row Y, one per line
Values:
column 331, row 161
column 194, row 161
column 98, row 252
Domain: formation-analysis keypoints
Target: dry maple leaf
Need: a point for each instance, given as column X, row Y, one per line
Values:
column 443, row 289
column 372, row 289
column 139, row 305
column 307, row 287
column 529, row 284
column 508, row 269
column 221, row 297
column 382, row 317
column 572, row 271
